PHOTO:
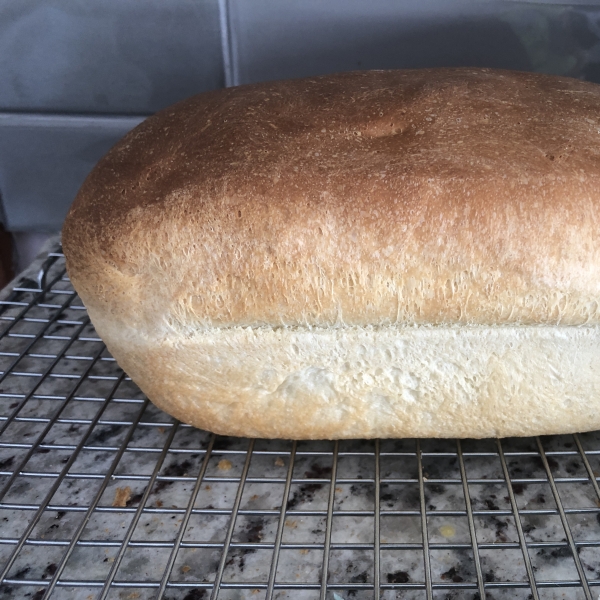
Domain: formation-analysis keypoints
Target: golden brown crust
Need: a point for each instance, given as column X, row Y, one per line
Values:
column 433, row 196
column 378, row 254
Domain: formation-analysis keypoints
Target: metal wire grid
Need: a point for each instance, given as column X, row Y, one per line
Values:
column 103, row 496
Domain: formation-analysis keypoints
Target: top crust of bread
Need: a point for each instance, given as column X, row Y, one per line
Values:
column 434, row 197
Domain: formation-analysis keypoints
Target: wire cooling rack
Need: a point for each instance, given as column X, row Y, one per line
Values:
column 104, row 496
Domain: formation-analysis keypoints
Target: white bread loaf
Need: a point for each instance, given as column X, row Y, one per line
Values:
column 370, row 254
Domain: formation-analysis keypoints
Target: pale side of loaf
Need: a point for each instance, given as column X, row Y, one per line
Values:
column 374, row 254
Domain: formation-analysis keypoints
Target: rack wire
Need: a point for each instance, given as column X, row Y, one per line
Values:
column 104, row 496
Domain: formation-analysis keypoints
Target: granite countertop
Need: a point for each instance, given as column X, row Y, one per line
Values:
column 111, row 475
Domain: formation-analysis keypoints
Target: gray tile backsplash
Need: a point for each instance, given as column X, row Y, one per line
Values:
column 43, row 161
column 133, row 57
column 107, row 56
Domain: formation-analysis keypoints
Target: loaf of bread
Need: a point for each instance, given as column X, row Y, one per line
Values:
column 368, row 254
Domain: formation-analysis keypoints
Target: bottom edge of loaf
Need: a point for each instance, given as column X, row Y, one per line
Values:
column 365, row 383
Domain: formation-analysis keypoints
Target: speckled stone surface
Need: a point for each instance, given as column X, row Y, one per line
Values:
column 96, row 464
